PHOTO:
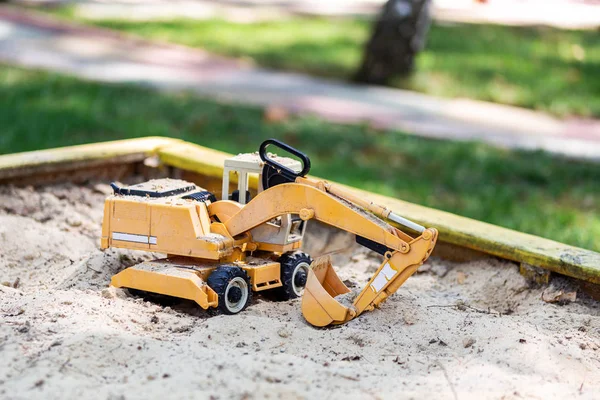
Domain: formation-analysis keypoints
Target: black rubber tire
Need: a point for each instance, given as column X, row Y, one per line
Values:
column 289, row 262
column 221, row 279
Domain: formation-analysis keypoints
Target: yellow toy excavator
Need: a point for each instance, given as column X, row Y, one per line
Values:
column 220, row 251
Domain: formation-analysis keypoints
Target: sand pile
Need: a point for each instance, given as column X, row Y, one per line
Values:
column 455, row 330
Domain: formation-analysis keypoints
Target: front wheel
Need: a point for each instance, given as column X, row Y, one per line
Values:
column 232, row 285
column 294, row 271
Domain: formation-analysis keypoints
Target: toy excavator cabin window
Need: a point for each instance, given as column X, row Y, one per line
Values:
column 294, row 222
column 275, row 222
column 297, row 228
column 297, row 223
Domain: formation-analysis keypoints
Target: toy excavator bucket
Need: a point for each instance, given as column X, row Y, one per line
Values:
column 318, row 304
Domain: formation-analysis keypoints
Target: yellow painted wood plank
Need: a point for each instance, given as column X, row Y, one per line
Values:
column 199, row 159
column 11, row 163
column 466, row 232
column 195, row 158
column 502, row 242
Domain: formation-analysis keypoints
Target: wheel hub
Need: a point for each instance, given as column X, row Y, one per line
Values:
column 234, row 294
column 300, row 278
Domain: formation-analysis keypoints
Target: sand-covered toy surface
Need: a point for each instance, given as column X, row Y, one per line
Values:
column 472, row 330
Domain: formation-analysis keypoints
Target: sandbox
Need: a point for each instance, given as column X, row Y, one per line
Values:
column 472, row 328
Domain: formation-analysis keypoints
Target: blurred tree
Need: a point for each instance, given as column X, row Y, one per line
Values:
column 398, row 35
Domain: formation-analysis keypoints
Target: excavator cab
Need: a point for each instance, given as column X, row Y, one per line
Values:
column 270, row 170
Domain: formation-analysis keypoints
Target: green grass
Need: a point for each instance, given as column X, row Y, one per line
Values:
column 540, row 68
column 528, row 191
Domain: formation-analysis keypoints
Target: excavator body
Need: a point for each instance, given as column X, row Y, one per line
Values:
column 220, row 251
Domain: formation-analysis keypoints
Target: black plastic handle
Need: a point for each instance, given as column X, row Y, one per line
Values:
column 262, row 151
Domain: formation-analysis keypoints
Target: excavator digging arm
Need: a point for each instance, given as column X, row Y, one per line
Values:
column 319, row 200
column 312, row 203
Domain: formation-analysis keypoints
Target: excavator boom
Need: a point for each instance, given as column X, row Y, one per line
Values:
column 312, row 203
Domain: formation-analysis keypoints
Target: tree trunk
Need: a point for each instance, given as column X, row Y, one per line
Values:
column 399, row 34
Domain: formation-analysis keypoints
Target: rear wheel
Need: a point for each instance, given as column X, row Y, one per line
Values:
column 294, row 271
column 232, row 285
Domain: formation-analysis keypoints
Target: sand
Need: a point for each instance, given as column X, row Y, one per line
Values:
column 472, row 330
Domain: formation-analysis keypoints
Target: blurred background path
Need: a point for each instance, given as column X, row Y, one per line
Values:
column 35, row 40
column 569, row 14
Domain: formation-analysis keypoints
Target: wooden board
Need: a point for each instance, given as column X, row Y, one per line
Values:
column 53, row 160
column 199, row 159
column 465, row 232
